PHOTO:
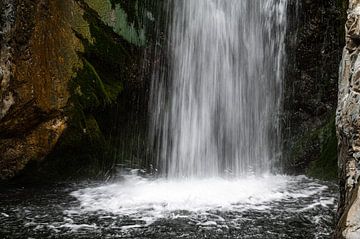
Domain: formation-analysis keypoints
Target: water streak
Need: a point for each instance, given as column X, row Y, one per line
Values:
column 216, row 112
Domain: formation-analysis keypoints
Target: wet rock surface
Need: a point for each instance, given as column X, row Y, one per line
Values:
column 314, row 47
column 35, row 89
column 348, row 128
column 63, row 67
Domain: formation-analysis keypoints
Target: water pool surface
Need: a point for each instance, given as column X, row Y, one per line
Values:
column 136, row 207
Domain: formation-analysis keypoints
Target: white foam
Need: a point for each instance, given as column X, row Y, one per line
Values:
column 149, row 200
column 77, row 227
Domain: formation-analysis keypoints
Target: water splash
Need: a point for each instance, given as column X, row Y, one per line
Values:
column 244, row 207
column 217, row 110
column 147, row 200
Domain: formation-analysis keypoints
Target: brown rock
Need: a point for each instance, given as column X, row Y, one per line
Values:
column 43, row 59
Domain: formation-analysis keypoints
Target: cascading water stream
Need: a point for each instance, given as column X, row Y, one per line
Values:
column 217, row 111
column 214, row 114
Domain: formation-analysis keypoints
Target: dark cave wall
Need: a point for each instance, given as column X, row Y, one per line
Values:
column 314, row 47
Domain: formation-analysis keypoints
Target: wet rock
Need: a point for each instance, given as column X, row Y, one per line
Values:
column 35, row 92
column 315, row 42
column 65, row 65
column 348, row 129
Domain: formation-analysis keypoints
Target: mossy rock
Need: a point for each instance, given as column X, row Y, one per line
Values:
column 83, row 149
column 123, row 17
column 326, row 166
column 315, row 154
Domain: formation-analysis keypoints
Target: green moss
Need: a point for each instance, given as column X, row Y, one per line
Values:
column 78, row 23
column 87, row 89
column 83, row 145
column 103, row 8
column 82, row 150
column 106, row 45
column 108, row 61
column 131, row 32
column 316, row 152
column 122, row 17
column 105, row 65
column 71, row 158
column 326, row 166
column 132, row 10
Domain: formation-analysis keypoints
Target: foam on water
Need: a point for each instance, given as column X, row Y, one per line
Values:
column 250, row 207
column 149, row 200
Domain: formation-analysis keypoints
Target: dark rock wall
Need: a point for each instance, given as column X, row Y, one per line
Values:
column 73, row 77
column 314, row 47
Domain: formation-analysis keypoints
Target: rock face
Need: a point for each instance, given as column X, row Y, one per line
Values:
column 63, row 67
column 41, row 54
column 314, row 43
column 348, row 128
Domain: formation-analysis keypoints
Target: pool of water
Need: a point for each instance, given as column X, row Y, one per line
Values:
column 137, row 207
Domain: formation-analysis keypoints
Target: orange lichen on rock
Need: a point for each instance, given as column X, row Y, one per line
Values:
column 43, row 66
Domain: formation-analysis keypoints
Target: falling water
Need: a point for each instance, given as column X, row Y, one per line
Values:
column 214, row 105
column 217, row 110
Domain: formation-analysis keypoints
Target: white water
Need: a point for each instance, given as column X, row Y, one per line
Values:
column 214, row 121
column 216, row 112
column 149, row 200
column 137, row 194
column 214, row 124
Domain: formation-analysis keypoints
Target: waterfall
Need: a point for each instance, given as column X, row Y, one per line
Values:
column 215, row 110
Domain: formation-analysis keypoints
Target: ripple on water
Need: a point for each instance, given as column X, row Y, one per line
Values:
column 136, row 207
